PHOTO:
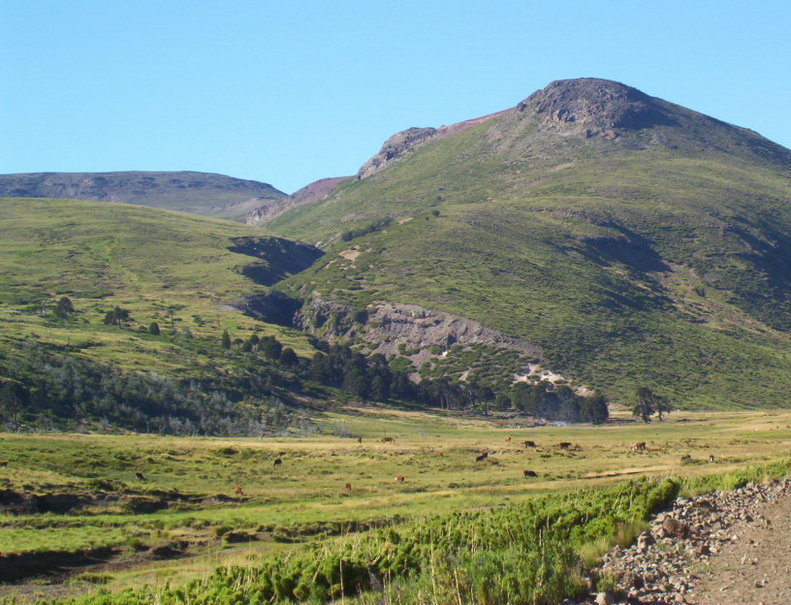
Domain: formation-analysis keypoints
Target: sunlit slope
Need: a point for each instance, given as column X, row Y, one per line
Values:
column 166, row 267
column 637, row 246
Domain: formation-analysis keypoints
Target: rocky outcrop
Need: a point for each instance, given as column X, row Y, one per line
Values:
column 394, row 147
column 385, row 326
column 597, row 105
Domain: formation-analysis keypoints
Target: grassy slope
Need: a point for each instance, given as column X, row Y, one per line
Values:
column 659, row 266
column 163, row 266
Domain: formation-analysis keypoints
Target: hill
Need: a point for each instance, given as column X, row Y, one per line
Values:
column 312, row 192
column 195, row 192
column 611, row 237
column 116, row 313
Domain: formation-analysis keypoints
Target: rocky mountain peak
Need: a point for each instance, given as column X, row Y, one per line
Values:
column 598, row 104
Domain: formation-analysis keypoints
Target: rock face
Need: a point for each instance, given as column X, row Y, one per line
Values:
column 596, row 104
column 387, row 325
column 394, row 147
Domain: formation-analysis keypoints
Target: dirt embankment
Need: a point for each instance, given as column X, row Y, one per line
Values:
column 729, row 547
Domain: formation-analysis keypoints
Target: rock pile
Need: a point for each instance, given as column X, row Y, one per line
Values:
column 662, row 567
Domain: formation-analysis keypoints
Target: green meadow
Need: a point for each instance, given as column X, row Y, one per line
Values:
column 185, row 518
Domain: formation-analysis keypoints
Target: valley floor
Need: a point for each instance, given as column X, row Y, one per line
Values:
column 74, row 516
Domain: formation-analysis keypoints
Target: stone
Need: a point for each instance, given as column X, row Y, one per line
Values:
column 604, row 598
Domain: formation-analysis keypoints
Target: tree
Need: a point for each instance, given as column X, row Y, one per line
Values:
column 645, row 404
column 64, row 307
column 117, row 316
column 594, row 409
column 270, row 347
column 662, row 405
column 289, row 357
column 226, row 340
column 13, row 398
column 153, row 329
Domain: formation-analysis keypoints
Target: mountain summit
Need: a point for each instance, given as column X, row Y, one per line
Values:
column 597, row 103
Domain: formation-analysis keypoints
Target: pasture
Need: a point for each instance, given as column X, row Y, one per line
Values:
column 75, row 513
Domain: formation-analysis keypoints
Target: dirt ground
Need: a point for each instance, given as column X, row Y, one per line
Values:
column 756, row 568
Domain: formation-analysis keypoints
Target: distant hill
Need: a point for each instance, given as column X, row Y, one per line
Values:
column 619, row 239
column 194, row 192
column 312, row 192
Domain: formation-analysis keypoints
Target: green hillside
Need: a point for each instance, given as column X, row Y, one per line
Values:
column 195, row 192
column 186, row 274
column 635, row 241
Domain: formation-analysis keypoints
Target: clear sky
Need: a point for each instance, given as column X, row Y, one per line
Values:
column 291, row 91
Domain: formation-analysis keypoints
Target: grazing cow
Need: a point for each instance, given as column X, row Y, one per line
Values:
column 529, row 474
column 3, row 463
column 530, row 444
column 140, row 476
column 565, row 445
column 508, row 438
column 399, row 478
column 483, row 456
column 686, row 458
column 348, row 487
column 278, row 462
column 387, row 439
column 711, row 458
column 238, row 491
column 639, row 446
column 359, row 439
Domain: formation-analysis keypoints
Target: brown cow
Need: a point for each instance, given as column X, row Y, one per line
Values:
column 387, row 439
column 639, row 446
column 484, row 455
column 686, row 458
column 359, row 439
column 565, row 445
column 529, row 474
column 348, row 487
column 530, row 444
column 238, row 491
column 140, row 476
column 508, row 438
column 399, row 478
column 277, row 462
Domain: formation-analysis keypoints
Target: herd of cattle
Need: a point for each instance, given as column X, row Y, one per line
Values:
column 639, row 446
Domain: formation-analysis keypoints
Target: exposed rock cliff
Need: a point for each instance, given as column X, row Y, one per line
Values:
column 385, row 326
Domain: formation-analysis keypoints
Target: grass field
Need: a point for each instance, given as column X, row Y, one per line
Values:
column 186, row 506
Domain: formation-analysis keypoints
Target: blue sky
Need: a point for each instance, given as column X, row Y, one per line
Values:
column 289, row 92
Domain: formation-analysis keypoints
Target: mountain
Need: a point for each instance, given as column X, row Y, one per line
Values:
column 592, row 233
column 195, row 192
